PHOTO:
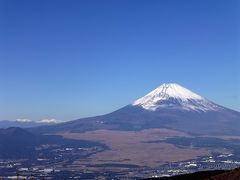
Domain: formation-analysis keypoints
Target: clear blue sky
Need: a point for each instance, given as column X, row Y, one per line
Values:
column 71, row 59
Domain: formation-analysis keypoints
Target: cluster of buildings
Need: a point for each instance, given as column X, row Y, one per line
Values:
column 22, row 169
column 218, row 162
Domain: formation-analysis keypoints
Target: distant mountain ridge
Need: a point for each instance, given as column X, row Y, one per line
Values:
column 169, row 106
column 7, row 124
column 22, row 124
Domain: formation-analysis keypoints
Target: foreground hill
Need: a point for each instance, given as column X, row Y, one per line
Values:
column 206, row 175
column 17, row 143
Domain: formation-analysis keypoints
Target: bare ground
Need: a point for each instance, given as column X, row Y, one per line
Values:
column 130, row 147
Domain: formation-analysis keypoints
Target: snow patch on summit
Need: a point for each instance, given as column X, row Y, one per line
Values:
column 175, row 96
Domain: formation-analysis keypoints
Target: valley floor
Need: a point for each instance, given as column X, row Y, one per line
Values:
column 126, row 154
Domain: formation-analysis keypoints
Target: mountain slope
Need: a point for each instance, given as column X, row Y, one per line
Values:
column 16, row 142
column 169, row 106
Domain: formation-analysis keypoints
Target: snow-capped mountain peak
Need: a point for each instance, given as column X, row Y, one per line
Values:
column 174, row 96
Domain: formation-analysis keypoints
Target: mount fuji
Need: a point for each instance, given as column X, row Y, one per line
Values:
column 174, row 96
column 168, row 106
